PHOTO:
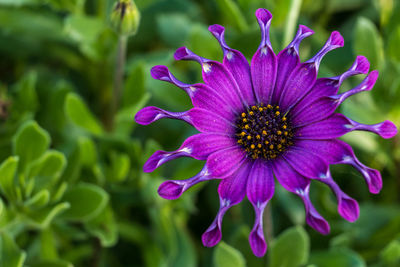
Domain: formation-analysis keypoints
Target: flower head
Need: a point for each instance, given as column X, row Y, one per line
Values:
column 270, row 118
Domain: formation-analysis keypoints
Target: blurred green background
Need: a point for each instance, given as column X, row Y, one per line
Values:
column 72, row 189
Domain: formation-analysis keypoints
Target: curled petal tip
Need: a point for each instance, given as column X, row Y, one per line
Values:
column 319, row 224
column 146, row 115
column 170, row 190
column 372, row 77
column 263, row 15
column 348, row 208
column 336, row 39
column 375, row 181
column 160, row 72
column 216, row 29
column 304, row 30
column 361, row 65
column 212, row 236
column 387, row 130
column 182, row 53
column 257, row 244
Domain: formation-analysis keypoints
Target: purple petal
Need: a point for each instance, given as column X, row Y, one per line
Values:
column 231, row 192
column 338, row 152
column 151, row 114
column 324, row 107
column 264, row 62
column 330, row 86
column 313, row 218
column 216, row 76
column 303, row 77
column 173, row 189
column 337, row 125
column 224, row 163
column 198, row 146
column 299, row 185
column 233, row 189
column 306, row 163
column 260, row 189
column 288, row 59
column 347, row 207
column 237, row 65
column 334, row 41
column 206, row 121
column 372, row 177
column 202, row 96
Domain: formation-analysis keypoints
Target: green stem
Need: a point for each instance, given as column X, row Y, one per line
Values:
column 291, row 21
column 268, row 223
column 119, row 73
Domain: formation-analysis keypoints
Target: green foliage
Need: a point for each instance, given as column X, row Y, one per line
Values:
column 225, row 255
column 291, row 248
column 72, row 189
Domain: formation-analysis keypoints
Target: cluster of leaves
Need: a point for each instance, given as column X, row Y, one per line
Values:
column 72, row 191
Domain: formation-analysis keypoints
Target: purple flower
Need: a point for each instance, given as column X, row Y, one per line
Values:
column 272, row 118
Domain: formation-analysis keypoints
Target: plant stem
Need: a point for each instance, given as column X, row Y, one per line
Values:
column 268, row 223
column 291, row 21
column 119, row 73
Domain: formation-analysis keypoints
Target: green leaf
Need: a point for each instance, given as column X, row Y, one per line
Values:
column 368, row 42
column 134, row 87
column 10, row 254
column 39, row 200
column 26, row 98
column 83, row 29
column 86, row 200
column 173, row 28
column 391, row 253
column 291, row 248
column 58, row 193
column 43, row 217
column 120, row 166
column 227, row 256
column 87, row 150
column 393, row 44
column 336, row 257
column 233, row 14
column 103, row 226
column 77, row 111
column 7, row 174
column 47, row 169
column 30, row 142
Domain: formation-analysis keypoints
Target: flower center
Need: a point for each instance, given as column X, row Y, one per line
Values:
column 263, row 132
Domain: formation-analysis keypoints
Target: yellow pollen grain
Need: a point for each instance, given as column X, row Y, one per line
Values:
column 246, row 126
column 260, row 109
column 284, row 127
column 248, row 137
column 279, row 146
column 259, row 145
column 264, row 132
column 269, row 106
column 251, row 113
column 277, row 113
column 252, row 146
column 285, row 133
column 243, row 114
column 284, row 119
column 242, row 133
column 266, row 142
column 278, row 132
column 244, row 120
column 258, row 136
column 271, row 147
column 253, row 107
column 277, row 107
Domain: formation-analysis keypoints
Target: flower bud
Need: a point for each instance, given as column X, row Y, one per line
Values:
column 125, row 17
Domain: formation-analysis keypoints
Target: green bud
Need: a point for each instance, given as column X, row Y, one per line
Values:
column 125, row 17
